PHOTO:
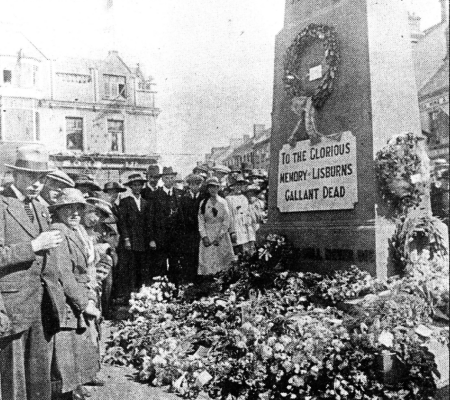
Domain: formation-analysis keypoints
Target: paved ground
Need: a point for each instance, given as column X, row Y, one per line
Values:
column 120, row 384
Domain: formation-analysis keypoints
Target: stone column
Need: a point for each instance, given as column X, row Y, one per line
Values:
column 375, row 97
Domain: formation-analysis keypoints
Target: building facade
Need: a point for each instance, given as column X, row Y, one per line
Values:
column 96, row 116
column 431, row 64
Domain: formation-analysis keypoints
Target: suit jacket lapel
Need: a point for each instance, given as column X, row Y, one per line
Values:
column 17, row 211
column 43, row 216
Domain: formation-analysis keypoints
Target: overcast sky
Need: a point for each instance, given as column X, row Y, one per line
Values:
column 212, row 60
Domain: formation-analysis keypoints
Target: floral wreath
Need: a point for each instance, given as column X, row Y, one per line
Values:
column 294, row 55
column 401, row 160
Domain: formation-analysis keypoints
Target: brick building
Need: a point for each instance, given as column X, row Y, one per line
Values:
column 95, row 116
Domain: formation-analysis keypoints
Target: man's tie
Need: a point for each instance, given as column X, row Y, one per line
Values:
column 29, row 208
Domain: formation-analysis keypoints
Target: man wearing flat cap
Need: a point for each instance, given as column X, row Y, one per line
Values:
column 25, row 356
column 133, row 214
column 166, row 227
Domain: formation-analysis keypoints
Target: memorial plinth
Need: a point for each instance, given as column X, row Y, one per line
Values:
column 326, row 201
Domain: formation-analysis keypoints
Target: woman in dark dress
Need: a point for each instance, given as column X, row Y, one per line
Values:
column 76, row 357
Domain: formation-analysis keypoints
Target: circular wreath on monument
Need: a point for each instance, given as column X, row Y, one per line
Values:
column 402, row 171
column 295, row 52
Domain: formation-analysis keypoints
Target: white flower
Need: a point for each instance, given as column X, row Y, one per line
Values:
column 386, row 339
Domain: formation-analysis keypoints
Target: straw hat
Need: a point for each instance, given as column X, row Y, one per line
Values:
column 136, row 177
column 61, row 177
column 212, row 182
column 68, row 196
column 102, row 205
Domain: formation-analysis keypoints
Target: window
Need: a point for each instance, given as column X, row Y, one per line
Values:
column 115, row 87
column 74, row 133
column 7, row 76
column 432, row 118
column 115, row 131
column 35, row 75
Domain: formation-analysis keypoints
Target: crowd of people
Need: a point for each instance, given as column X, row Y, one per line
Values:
column 68, row 246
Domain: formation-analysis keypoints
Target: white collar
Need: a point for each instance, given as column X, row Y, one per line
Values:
column 18, row 193
column 168, row 191
column 135, row 197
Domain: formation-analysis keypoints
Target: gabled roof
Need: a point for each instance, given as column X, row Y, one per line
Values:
column 17, row 41
column 438, row 82
column 113, row 63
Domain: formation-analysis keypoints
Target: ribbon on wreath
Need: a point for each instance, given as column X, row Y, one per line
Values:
column 304, row 108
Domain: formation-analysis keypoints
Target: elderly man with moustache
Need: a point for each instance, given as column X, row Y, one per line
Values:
column 25, row 283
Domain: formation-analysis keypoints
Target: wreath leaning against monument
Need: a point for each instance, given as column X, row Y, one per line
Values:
column 303, row 104
column 401, row 172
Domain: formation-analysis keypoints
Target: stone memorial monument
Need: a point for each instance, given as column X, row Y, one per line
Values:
column 343, row 85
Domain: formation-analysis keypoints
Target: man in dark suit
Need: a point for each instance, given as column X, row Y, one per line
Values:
column 190, row 203
column 133, row 214
column 151, row 186
column 166, row 227
column 25, row 355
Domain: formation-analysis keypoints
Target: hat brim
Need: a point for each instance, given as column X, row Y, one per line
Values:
column 30, row 169
column 120, row 190
column 93, row 186
column 170, row 174
column 55, row 206
column 135, row 180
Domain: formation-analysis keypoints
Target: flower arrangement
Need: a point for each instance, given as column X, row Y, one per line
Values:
column 275, row 344
column 293, row 83
column 347, row 284
column 422, row 255
column 401, row 172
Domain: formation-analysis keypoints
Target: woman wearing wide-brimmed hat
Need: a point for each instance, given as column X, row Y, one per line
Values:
column 214, row 219
column 76, row 356
column 240, row 211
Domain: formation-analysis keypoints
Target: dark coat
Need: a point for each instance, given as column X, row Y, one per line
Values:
column 148, row 194
column 22, row 277
column 70, row 259
column 133, row 223
column 190, row 207
column 166, row 224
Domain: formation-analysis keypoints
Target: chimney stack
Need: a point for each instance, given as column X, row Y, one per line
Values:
column 258, row 130
column 414, row 27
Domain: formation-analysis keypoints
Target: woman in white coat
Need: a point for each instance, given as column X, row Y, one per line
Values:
column 214, row 219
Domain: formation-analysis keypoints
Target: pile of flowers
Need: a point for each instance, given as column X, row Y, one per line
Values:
column 258, row 338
